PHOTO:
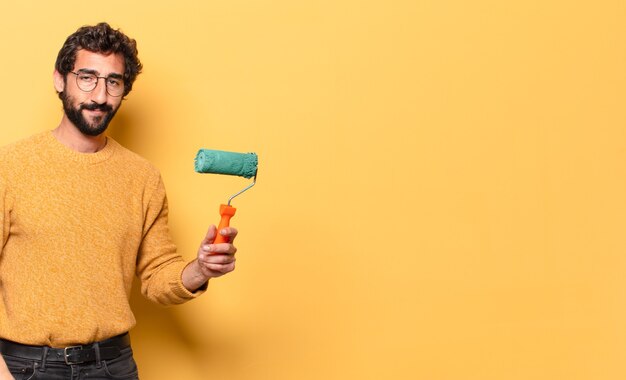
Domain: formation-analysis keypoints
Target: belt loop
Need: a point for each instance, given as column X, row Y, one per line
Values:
column 96, row 347
column 44, row 358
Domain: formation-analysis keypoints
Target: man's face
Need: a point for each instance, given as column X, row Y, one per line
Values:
column 91, row 112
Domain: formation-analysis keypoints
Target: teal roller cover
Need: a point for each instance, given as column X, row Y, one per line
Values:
column 229, row 163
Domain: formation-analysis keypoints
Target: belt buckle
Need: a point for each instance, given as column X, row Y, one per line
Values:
column 66, row 355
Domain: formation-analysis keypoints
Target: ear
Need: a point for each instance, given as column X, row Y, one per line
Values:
column 59, row 81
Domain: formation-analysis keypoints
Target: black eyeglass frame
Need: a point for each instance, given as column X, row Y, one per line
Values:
column 106, row 84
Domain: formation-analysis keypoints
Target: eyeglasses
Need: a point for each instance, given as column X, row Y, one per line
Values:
column 89, row 81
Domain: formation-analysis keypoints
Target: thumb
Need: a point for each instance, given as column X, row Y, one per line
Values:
column 209, row 238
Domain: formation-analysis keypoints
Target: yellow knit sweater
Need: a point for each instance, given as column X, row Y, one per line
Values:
column 76, row 228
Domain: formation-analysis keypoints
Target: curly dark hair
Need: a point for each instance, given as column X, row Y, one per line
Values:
column 101, row 38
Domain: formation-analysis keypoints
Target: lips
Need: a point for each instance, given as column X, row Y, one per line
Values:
column 97, row 107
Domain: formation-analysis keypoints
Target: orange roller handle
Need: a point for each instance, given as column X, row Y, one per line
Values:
column 226, row 212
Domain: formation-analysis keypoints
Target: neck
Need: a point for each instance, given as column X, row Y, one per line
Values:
column 70, row 136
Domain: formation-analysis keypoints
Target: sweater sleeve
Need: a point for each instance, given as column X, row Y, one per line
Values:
column 159, row 266
column 6, row 204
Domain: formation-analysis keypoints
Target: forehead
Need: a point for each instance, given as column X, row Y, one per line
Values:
column 100, row 63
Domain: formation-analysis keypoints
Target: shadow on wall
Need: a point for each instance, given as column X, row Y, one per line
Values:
column 158, row 330
column 162, row 340
column 127, row 127
column 168, row 346
column 159, row 338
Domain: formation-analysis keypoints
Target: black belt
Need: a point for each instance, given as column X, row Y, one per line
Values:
column 103, row 350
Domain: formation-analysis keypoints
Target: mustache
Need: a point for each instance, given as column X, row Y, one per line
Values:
column 96, row 107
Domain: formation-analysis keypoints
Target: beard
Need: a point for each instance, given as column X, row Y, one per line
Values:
column 75, row 115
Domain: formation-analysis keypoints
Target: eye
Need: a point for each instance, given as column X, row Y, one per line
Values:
column 113, row 82
column 87, row 78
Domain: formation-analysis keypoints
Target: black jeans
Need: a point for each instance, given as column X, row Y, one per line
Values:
column 121, row 368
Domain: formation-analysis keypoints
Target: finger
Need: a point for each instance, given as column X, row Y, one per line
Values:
column 230, row 233
column 210, row 235
column 220, row 268
column 218, row 259
column 218, row 249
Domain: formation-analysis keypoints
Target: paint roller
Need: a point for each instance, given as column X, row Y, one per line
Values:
column 227, row 163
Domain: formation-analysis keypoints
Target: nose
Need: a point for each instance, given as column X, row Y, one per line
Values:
column 99, row 94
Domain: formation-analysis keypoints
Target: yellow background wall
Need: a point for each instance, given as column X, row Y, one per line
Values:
column 442, row 184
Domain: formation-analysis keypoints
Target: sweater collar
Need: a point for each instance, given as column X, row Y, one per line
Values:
column 84, row 158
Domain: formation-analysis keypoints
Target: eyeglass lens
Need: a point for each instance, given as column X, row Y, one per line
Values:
column 88, row 81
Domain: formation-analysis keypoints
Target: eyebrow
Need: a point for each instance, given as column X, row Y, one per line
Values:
column 94, row 72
